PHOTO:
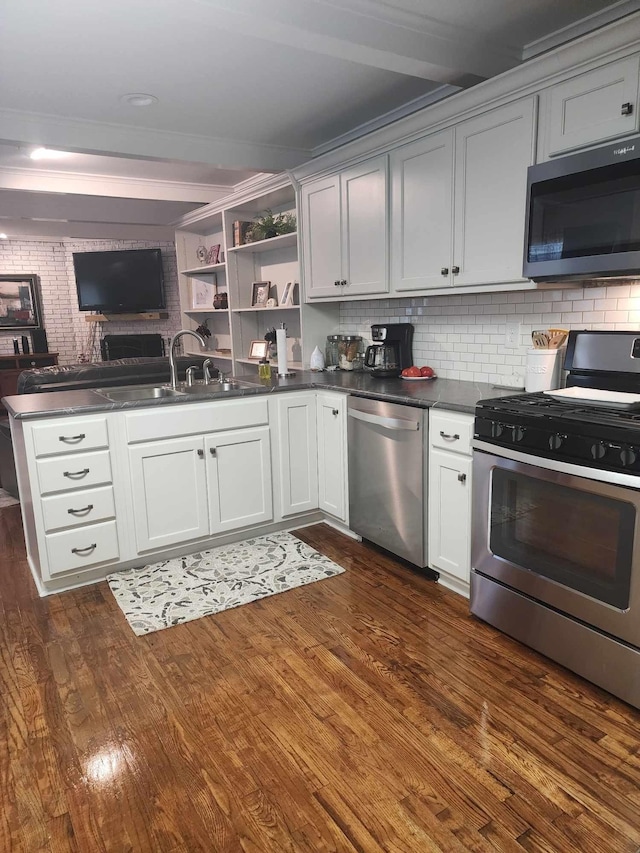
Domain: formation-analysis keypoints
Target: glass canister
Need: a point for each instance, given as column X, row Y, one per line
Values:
column 331, row 351
column 350, row 352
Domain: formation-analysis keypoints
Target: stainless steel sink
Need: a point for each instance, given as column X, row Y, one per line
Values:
column 214, row 387
column 131, row 393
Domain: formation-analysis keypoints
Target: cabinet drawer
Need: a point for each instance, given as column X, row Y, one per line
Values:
column 451, row 431
column 83, row 547
column 74, row 471
column 171, row 421
column 66, row 434
column 71, row 510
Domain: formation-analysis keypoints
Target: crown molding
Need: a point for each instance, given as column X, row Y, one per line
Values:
column 258, row 187
column 85, row 183
column 583, row 27
column 383, row 120
column 91, row 137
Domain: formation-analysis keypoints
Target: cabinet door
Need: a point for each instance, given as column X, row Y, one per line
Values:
column 492, row 154
column 297, row 453
column 321, row 238
column 168, row 482
column 332, row 455
column 593, row 107
column 365, row 228
column 421, row 213
column 450, row 513
column 239, row 478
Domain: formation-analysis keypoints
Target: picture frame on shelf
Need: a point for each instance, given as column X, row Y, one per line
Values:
column 260, row 293
column 258, row 349
column 213, row 254
column 288, row 293
column 202, row 293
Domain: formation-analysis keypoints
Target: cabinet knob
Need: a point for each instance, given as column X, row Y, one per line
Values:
column 201, row 453
column 336, row 284
column 455, row 270
column 444, row 271
column 462, row 478
column 212, row 451
column 626, row 109
column 343, row 282
column 335, row 411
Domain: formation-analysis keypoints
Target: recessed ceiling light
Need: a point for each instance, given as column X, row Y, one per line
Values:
column 138, row 99
column 47, row 154
column 3, row 236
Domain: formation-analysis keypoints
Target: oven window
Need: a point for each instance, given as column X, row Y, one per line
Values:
column 590, row 213
column 579, row 539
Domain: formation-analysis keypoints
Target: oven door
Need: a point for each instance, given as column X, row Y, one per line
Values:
column 563, row 534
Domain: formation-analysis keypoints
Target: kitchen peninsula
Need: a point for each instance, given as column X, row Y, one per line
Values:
column 108, row 485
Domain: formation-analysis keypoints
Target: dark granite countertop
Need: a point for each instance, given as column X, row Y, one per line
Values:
column 449, row 394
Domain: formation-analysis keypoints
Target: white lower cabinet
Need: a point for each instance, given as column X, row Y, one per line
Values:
column 332, row 454
column 169, row 488
column 449, row 502
column 197, row 486
column 297, row 452
column 239, row 478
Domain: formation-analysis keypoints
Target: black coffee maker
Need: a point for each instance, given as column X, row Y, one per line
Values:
column 391, row 350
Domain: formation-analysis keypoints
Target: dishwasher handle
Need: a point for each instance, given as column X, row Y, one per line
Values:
column 387, row 423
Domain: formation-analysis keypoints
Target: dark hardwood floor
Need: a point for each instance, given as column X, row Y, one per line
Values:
column 367, row 712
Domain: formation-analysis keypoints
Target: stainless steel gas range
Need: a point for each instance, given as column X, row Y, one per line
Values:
column 556, row 510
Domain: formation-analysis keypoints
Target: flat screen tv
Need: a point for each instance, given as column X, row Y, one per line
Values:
column 119, row 282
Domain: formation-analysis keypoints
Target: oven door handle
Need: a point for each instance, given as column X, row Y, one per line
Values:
column 612, row 477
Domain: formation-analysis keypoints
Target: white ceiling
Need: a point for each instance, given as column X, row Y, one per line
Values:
column 243, row 86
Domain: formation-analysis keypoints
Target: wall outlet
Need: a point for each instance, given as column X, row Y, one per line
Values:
column 512, row 334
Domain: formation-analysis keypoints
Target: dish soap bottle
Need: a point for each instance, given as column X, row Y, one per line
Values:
column 264, row 369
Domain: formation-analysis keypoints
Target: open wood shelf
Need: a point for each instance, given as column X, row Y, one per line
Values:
column 210, row 354
column 293, row 365
column 204, row 269
column 282, row 242
column 206, row 310
column 265, row 310
column 117, row 318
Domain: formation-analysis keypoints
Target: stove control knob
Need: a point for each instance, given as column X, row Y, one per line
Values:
column 496, row 429
column 555, row 441
column 518, row 434
column 628, row 456
column 598, row 450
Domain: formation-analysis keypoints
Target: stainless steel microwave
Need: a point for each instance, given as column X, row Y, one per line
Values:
column 583, row 215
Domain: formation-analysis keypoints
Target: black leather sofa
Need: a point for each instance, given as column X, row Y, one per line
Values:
column 75, row 377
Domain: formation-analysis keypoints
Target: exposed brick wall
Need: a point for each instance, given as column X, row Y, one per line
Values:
column 67, row 331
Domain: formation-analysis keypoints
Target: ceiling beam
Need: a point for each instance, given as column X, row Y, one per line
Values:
column 17, row 229
column 411, row 45
column 92, row 137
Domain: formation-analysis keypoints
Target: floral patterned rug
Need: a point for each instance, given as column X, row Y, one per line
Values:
column 185, row 588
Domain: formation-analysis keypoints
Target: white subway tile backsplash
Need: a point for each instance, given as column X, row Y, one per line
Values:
column 475, row 348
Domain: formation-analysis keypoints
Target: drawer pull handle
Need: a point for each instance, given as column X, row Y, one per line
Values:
column 82, row 511
column 449, row 437
column 626, row 109
column 462, row 478
column 71, row 439
column 76, row 474
column 83, row 551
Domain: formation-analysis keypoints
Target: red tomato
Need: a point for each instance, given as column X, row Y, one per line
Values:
column 427, row 371
column 411, row 371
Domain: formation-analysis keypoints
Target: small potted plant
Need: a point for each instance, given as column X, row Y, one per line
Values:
column 271, row 225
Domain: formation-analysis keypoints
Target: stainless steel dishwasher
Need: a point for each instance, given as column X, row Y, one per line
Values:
column 388, row 476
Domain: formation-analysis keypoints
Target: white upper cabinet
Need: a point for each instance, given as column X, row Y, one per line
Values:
column 321, row 237
column 421, row 213
column 492, row 154
column 345, row 232
column 458, row 202
column 593, row 107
